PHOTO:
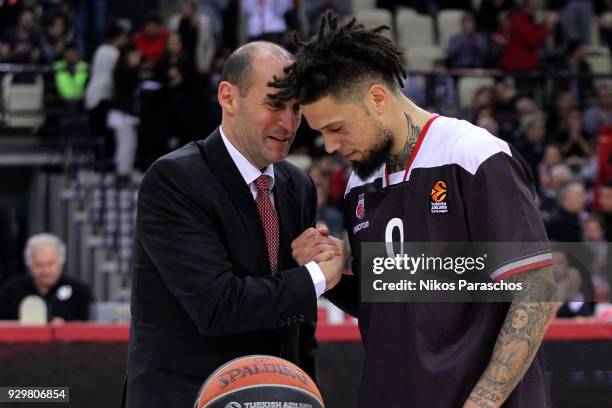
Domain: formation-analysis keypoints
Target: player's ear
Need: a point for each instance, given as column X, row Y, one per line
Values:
column 227, row 95
column 378, row 98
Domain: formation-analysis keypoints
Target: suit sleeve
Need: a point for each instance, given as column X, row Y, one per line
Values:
column 182, row 238
column 308, row 342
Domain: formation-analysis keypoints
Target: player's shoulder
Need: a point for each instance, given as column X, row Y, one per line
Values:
column 451, row 141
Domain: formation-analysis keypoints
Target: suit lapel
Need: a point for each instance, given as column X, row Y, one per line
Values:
column 225, row 170
column 288, row 215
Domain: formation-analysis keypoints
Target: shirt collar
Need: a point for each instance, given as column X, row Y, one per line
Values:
column 249, row 172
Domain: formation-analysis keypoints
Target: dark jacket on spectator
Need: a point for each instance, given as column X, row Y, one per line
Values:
column 564, row 227
column 126, row 82
column 68, row 299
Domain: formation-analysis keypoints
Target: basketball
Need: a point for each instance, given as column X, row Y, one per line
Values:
column 259, row 381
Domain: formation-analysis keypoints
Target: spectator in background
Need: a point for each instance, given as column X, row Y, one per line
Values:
column 467, row 49
column 575, row 290
column 9, row 12
column 599, row 114
column 196, row 35
column 489, row 12
column 314, row 9
column 565, row 224
column 552, row 158
column 330, row 216
column 151, row 40
column 504, row 109
column 71, row 75
column 66, row 298
column 90, row 20
column 55, row 39
column 481, row 99
column 176, row 72
column 490, row 124
column 576, row 17
column 266, row 19
column 123, row 116
column 573, row 142
column 564, row 104
column 533, row 141
column 605, row 207
column 99, row 92
column 440, row 90
column 573, row 63
column 214, row 9
column 525, row 39
column 595, row 236
column 21, row 44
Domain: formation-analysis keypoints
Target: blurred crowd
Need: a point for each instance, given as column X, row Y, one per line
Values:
column 148, row 84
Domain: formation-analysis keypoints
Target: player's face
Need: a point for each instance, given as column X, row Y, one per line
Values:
column 265, row 128
column 352, row 131
column 46, row 266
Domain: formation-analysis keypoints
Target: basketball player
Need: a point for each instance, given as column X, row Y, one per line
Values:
column 348, row 80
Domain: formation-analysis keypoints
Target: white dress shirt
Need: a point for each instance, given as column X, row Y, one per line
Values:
column 250, row 173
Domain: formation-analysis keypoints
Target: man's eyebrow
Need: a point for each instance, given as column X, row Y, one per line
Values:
column 335, row 123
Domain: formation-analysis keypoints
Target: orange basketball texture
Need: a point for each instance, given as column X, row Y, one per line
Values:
column 268, row 373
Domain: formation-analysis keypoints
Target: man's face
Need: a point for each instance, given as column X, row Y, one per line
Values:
column 152, row 29
column 605, row 199
column 26, row 20
column 467, row 24
column 265, row 128
column 574, row 200
column 186, row 9
column 351, row 130
column 46, row 266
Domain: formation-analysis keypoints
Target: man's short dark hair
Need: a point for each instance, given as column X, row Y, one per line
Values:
column 153, row 18
column 237, row 69
column 339, row 61
column 238, row 66
column 114, row 30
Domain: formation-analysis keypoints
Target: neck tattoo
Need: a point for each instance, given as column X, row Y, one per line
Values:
column 399, row 161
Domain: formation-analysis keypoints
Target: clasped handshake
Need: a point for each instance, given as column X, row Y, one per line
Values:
column 315, row 244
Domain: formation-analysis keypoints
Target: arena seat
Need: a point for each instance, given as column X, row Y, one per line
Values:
column 423, row 57
column 413, row 29
column 449, row 24
column 376, row 17
column 468, row 85
column 26, row 97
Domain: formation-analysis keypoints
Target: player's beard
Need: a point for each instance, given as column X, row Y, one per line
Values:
column 377, row 156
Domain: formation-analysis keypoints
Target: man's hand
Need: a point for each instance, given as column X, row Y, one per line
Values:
column 328, row 252
column 315, row 244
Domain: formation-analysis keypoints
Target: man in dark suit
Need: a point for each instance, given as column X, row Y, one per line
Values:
column 213, row 276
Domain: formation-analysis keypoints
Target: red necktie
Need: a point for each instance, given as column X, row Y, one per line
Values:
column 269, row 220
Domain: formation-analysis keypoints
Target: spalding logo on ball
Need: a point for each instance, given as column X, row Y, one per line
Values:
column 259, row 382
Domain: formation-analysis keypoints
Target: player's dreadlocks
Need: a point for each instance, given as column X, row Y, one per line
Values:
column 338, row 60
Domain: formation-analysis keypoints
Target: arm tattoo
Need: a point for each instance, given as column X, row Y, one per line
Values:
column 519, row 338
column 398, row 162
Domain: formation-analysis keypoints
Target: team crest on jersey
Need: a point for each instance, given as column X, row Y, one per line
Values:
column 360, row 210
column 438, row 198
column 360, row 213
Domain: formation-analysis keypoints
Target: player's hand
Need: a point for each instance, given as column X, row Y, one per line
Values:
column 332, row 269
column 315, row 244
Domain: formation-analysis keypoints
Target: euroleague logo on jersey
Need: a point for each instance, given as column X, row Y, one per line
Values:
column 438, row 197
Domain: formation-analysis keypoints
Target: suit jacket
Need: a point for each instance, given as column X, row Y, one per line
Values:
column 202, row 291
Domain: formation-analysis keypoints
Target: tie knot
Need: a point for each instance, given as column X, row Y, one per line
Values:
column 262, row 183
